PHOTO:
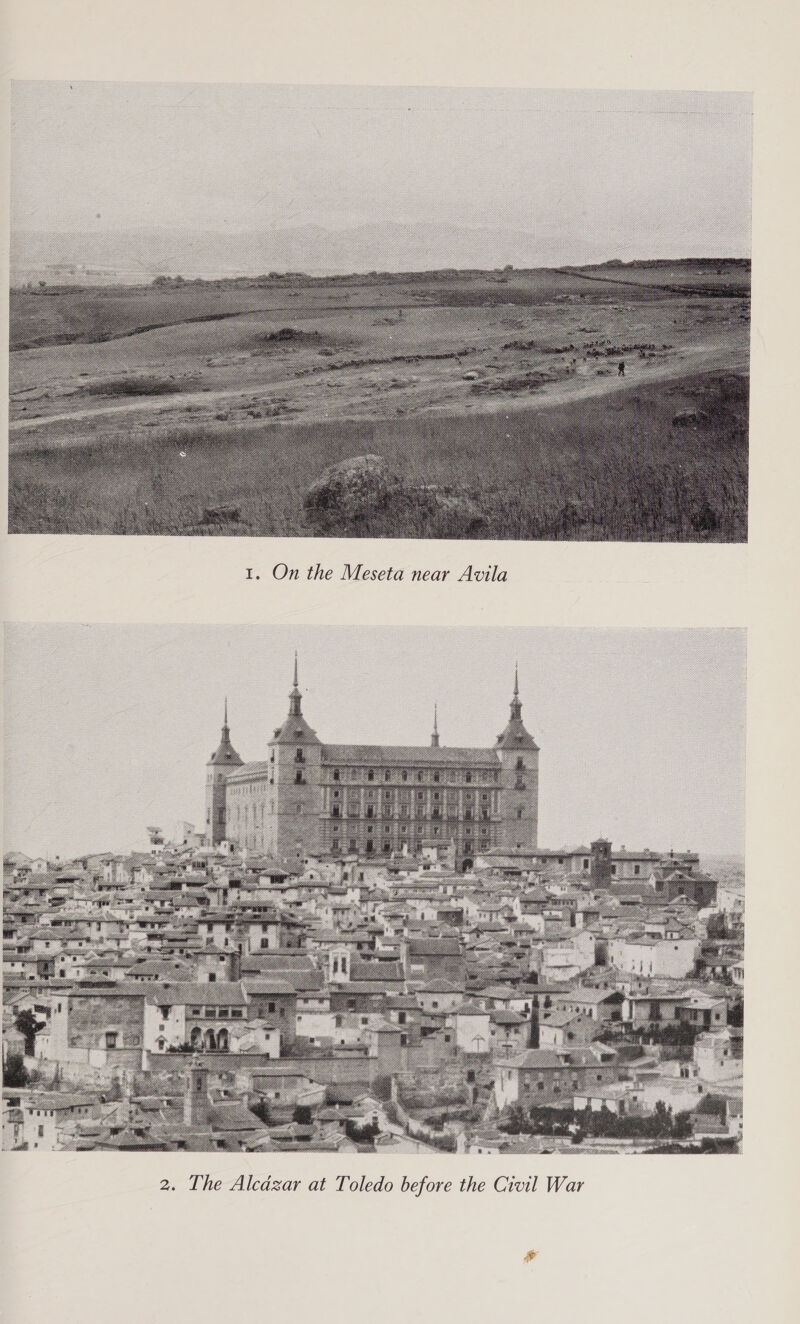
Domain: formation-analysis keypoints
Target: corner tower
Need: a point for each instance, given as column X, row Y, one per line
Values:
column 295, row 796
column 518, row 800
column 222, row 761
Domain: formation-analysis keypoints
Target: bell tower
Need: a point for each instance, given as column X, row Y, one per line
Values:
column 222, row 761
column 518, row 799
column 295, row 780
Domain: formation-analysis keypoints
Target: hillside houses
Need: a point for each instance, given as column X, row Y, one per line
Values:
column 200, row 998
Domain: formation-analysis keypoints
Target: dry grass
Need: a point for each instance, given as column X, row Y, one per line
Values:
column 613, row 468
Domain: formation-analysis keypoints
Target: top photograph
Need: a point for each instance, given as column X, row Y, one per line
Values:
column 372, row 312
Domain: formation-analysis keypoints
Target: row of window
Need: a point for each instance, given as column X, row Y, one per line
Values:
column 419, row 830
column 405, row 797
column 485, row 775
column 556, row 1082
column 218, row 1013
column 354, row 811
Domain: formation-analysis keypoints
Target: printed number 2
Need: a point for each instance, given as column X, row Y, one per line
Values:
column 165, row 1184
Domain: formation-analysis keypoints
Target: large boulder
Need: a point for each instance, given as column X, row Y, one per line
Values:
column 350, row 491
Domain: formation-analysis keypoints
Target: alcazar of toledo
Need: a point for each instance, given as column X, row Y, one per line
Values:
column 311, row 798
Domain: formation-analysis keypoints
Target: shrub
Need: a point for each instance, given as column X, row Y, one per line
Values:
column 15, row 1074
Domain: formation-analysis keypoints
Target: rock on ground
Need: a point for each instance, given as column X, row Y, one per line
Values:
column 690, row 418
column 350, row 491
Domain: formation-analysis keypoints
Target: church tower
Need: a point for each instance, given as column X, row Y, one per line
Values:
column 222, row 761
column 295, row 796
column 518, row 799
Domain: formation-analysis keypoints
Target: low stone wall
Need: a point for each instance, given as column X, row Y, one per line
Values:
column 82, row 1075
column 323, row 1070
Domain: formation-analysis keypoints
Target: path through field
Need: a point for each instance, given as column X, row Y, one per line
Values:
column 691, row 359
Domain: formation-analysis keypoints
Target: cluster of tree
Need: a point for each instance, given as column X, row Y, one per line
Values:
column 28, row 1025
column 676, row 1033
column 15, row 1073
column 661, row 1124
column 360, row 1134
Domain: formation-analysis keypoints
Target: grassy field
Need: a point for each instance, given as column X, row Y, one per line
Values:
column 615, row 468
column 209, row 406
column 63, row 315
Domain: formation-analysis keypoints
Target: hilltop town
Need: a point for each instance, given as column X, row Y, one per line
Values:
column 205, row 997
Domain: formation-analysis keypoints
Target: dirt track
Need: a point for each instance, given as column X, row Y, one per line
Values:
column 172, row 410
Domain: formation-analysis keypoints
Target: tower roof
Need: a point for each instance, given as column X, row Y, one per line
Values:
column 516, row 734
column 295, row 728
column 225, row 755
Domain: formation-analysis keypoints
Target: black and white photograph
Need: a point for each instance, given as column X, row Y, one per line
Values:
column 420, row 312
column 374, row 891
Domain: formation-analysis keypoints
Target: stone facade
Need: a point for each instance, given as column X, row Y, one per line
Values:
column 374, row 800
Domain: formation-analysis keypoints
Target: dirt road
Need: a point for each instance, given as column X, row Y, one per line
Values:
column 691, row 359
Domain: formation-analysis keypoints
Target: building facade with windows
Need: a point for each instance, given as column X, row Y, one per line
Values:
column 309, row 798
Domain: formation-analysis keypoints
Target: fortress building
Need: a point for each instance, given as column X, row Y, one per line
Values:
column 308, row 798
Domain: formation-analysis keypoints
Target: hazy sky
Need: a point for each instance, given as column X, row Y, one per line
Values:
column 666, row 173
column 108, row 728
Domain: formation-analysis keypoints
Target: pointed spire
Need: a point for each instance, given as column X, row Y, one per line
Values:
column 515, row 735
column 516, row 705
column 225, row 753
column 295, row 697
column 435, row 734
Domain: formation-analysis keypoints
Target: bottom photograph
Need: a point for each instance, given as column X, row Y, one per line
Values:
column 373, row 890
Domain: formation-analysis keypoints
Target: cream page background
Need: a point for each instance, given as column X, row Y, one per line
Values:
column 91, row 1238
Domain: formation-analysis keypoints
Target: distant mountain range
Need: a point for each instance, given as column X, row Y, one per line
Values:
column 143, row 254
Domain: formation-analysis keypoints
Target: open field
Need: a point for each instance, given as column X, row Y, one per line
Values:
column 210, row 406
